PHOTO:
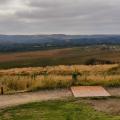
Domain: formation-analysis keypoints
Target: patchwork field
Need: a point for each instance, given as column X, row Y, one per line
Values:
column 66, row 56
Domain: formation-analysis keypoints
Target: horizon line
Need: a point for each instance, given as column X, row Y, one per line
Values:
column 58, row 34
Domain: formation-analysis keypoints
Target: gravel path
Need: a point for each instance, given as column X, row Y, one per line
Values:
column 22, row 98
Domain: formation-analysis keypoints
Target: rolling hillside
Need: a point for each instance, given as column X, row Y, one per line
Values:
column 67, row 56
column 14, row 43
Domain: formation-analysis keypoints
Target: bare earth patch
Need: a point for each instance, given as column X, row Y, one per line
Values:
column 109, row 105
column 114, row 91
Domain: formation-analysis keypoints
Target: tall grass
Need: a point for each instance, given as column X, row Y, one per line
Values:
column 51, row 81
column 108, row 80
column 58, row 77
column 59, row 70
column 15, row 83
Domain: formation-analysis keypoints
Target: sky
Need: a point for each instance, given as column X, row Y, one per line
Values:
column 59, row 16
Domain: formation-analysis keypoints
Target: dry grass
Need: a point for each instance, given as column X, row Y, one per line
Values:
column 16, row 83
column 107, row 80
column 58, row 77
column 59, row 70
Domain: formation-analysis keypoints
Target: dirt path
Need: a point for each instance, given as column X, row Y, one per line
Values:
column 22, row 98
column 114, row 91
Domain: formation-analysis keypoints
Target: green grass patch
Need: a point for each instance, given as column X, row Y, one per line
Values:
column 55, row 110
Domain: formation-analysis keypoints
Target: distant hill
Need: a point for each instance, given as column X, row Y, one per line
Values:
column 9, row 43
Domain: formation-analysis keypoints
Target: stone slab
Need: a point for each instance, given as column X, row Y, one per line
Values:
column 89, row 91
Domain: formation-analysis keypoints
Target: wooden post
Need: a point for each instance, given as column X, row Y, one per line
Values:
column 2, row 91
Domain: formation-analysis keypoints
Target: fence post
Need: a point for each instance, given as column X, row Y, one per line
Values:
column 2, row 91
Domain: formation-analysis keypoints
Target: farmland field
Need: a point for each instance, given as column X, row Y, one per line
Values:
column 66, row 56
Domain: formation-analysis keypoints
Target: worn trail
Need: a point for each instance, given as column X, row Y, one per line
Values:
column 22, row 98
column 43, row 95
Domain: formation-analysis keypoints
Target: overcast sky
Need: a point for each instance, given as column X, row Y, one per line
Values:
column 60, row 16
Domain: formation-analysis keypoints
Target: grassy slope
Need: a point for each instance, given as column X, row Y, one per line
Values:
column 55, row 110
column 56, row 57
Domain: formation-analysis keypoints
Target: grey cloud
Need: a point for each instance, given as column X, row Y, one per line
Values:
column 4, row 2
column 44, row 10
column 62, row 16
